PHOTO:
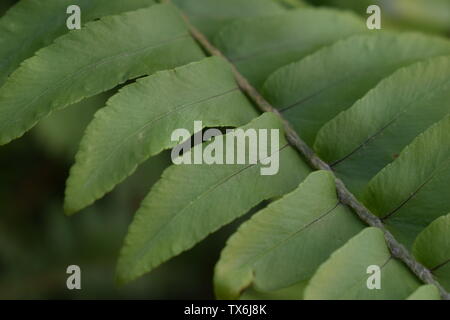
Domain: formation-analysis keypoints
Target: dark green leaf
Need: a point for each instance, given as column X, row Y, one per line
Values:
column 96, row 58
column 33, row 24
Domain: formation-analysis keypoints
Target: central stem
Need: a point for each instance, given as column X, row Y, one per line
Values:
column 345, row 196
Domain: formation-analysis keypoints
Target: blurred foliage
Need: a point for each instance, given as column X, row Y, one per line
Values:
column 4, row 5
column 424, row 15
column 48, row 132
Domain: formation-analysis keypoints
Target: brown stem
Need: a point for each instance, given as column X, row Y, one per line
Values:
column 345, row 196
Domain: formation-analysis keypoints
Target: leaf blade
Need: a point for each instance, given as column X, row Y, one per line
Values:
column 377, row 127
column 163, row 102
column 432, row 249
column 176, row 215
column 314, row 90
column 425, row 292
column 18, row 27
column 304, row 227
column 52, row 83
column 344, row 275
column 210, row 15
column 271, row 42
column 412, row 191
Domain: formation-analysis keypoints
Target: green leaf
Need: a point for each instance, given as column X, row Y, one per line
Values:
column 271, row 42
column 120, row 137
column 286, row 242
column 210, row 15
column 192, row 201
column 314, row 90
column 33, row 24
column 96, row 58
column 362, row 140
column 432, row 249
column 344, row 275
column 413, row 190
column 425, row 292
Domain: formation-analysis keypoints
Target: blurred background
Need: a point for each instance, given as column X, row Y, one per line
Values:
column 38, row 242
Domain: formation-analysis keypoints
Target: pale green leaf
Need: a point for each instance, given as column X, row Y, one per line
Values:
column 413, row 191
column 33, row 24
column 96, row 58
column 314, row 90
column 432, row 249
column 210, row 15
column 271, row 42
column 286, row 242
column 192, row 201
column 138, row 122
column 362, row 140
column 425, row 292
column 344, row 275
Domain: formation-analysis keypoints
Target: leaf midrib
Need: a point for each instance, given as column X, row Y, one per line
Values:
column 320, row 91
column 138, row 131
column 440, row 265
column 391, row 122
column 443, row 165
column 346, row 196
column 289, row 236
column 94, row 65
column 210, row 189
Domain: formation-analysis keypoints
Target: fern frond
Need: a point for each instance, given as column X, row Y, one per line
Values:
column 373, row 106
